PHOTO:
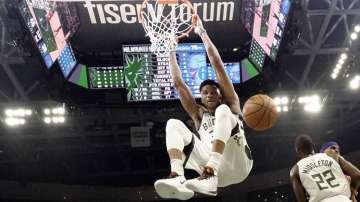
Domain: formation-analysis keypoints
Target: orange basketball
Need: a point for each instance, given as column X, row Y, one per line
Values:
column 259, row 112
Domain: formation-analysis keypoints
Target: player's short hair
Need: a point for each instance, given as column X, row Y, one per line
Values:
column 304, row 144
column 209, row 82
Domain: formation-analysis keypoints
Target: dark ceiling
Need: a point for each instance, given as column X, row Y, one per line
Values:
column 94, row 148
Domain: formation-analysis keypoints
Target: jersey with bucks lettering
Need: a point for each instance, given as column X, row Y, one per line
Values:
column 322, row 177
column 206, row 129
column 237, row 161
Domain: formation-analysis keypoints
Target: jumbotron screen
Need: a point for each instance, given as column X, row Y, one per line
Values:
column 232, row 70
column 266, row 22
column 106, row 77
column 30, row 17
column 48, row 33
column 147, row 76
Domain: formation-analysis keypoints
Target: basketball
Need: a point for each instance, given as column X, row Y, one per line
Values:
column 259, row 112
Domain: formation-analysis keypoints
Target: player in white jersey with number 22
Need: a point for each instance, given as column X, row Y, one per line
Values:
column 321, row 176
column 218, row 151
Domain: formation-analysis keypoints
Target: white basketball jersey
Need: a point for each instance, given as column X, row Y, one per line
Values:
column 206, row 129
column 237, row 162
column 322, row 177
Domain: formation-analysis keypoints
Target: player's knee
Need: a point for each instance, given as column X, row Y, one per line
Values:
column 172, row 124
column 175, row 139
column 222, row 112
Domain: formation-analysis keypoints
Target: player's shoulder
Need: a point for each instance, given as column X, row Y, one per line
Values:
column 294, row 171
column 321, row 155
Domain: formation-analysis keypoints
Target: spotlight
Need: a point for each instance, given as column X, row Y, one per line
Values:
column 301, row 100
column 21, row 112
column 284, row 100
column 61, row 111
column 278, row 108
column 47, row 120
column 277, row 101
column 55, row 119
column 343, row 56
column 47, row 111
column 307, row 99
column 341, row 61
column 28, row 112
column 285, row 108
column 354, row 84
column 315, row 99
column 9, row 112
column 55, row 110
column 357, row 28
column 14, row 121
column 353, row 36
column 338, row 66
column 61, row 119
column 312, row 107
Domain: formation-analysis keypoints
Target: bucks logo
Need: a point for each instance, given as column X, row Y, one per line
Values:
column 133, row 73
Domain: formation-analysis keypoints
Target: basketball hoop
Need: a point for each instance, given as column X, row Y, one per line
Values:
column 166, row 22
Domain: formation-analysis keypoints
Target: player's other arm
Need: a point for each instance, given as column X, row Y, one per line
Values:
column 186, row 98
column 296, row 184
column 352, row 171
column 229, row 95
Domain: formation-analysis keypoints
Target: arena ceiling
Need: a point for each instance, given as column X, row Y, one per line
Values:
column 317, row 34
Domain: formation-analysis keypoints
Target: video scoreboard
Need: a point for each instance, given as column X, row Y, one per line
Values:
column 266, row 23
column 147, row 76
column 192, row 62
column 106, row 77
column 232, row 69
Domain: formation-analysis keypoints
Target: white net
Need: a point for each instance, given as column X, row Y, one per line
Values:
column 260, row 3
column 42, row 4
column 164, row 24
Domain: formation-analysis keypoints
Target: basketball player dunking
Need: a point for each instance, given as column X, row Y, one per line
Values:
column 321, row 176
column 218, row 151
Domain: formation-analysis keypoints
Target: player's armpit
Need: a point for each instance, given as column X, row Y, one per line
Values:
column 296, row 184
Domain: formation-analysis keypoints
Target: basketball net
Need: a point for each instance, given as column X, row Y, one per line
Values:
column 165, row 22
column 261, row 3
column 42, row 4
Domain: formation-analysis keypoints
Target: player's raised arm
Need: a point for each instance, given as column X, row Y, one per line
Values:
column 186, row 98
column 296, row 184
column 229, row 95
